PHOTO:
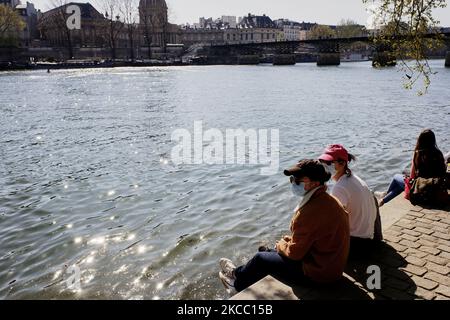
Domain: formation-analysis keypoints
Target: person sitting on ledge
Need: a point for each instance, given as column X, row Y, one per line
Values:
column 428, row 162
column 318, row 246
column 357, row 199
column 447, row 159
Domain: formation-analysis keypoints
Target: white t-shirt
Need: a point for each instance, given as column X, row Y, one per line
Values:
column 358, row 200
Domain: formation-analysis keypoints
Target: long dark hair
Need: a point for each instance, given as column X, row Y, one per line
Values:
column 351, row 158
column 428, row 159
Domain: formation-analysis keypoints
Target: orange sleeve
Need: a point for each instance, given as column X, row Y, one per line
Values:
column 301, row 242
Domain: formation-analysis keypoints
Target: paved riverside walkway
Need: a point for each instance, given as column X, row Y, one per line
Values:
column 414, row 261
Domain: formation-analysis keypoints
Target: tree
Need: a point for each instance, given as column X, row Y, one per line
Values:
column 10, row 25
column 154, row 21
column 321, row 32
column 113, row 25
column 129, row 10
column 149, row 23
column 351, row 29
column 404, row 26
column 55, row 21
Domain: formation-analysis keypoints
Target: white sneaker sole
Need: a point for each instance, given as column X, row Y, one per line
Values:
column 227, row 266
column 228, row 287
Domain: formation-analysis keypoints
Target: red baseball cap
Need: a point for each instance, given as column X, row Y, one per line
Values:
column 334, row 152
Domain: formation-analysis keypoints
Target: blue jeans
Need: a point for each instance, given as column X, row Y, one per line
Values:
column 397, row 187
column 268, row 263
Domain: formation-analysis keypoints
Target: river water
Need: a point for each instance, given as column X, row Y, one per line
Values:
column 86, row 177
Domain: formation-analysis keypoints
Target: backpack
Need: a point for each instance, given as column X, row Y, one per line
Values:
column 429, row 192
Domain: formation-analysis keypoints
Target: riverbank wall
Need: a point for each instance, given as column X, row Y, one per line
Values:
column 413, row 261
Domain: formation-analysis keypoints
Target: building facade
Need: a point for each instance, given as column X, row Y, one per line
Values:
column 252, row 35
column 249, row 29
column 54, row 32
column 192, row 36
column 29, row 15
column 294, row 31
column 291, row 32
column 229, row 22
column 254, row 21
column 153, row 33
column 154, row 27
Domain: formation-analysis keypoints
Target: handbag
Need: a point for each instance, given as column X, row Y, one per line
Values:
column 408, row 184
column 428, row 192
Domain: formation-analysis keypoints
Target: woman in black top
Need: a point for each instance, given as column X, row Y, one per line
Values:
column 428, row 162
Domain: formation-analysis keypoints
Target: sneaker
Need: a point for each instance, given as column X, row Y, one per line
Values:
column 228, row 283
column 227, row 267
column 380, row 194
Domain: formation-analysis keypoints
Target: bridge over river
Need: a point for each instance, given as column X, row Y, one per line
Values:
column 328, row 51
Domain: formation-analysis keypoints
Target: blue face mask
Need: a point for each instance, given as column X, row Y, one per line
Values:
column 331, row 169
column 298, row 189
column 330, row 185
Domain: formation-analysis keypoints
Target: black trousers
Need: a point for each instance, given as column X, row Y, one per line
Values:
column 268, row 263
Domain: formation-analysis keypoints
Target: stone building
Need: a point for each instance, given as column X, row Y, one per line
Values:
column 255, row 29
column 250, row 29
column 252, row 35
column 53, row 29
column 100, row 36
column 155, row 29
column 253, row 21
column 294, row 31
column 29, row 15
column 192, row 36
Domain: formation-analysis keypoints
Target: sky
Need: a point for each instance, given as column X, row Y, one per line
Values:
column 321, row 11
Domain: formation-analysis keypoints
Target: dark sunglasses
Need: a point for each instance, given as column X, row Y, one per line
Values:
column 293, row 179
column 329, row 163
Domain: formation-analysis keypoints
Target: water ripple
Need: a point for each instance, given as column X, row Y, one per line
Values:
column 86, row 177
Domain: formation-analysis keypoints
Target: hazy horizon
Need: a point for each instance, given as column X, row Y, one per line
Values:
column 320, row 11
